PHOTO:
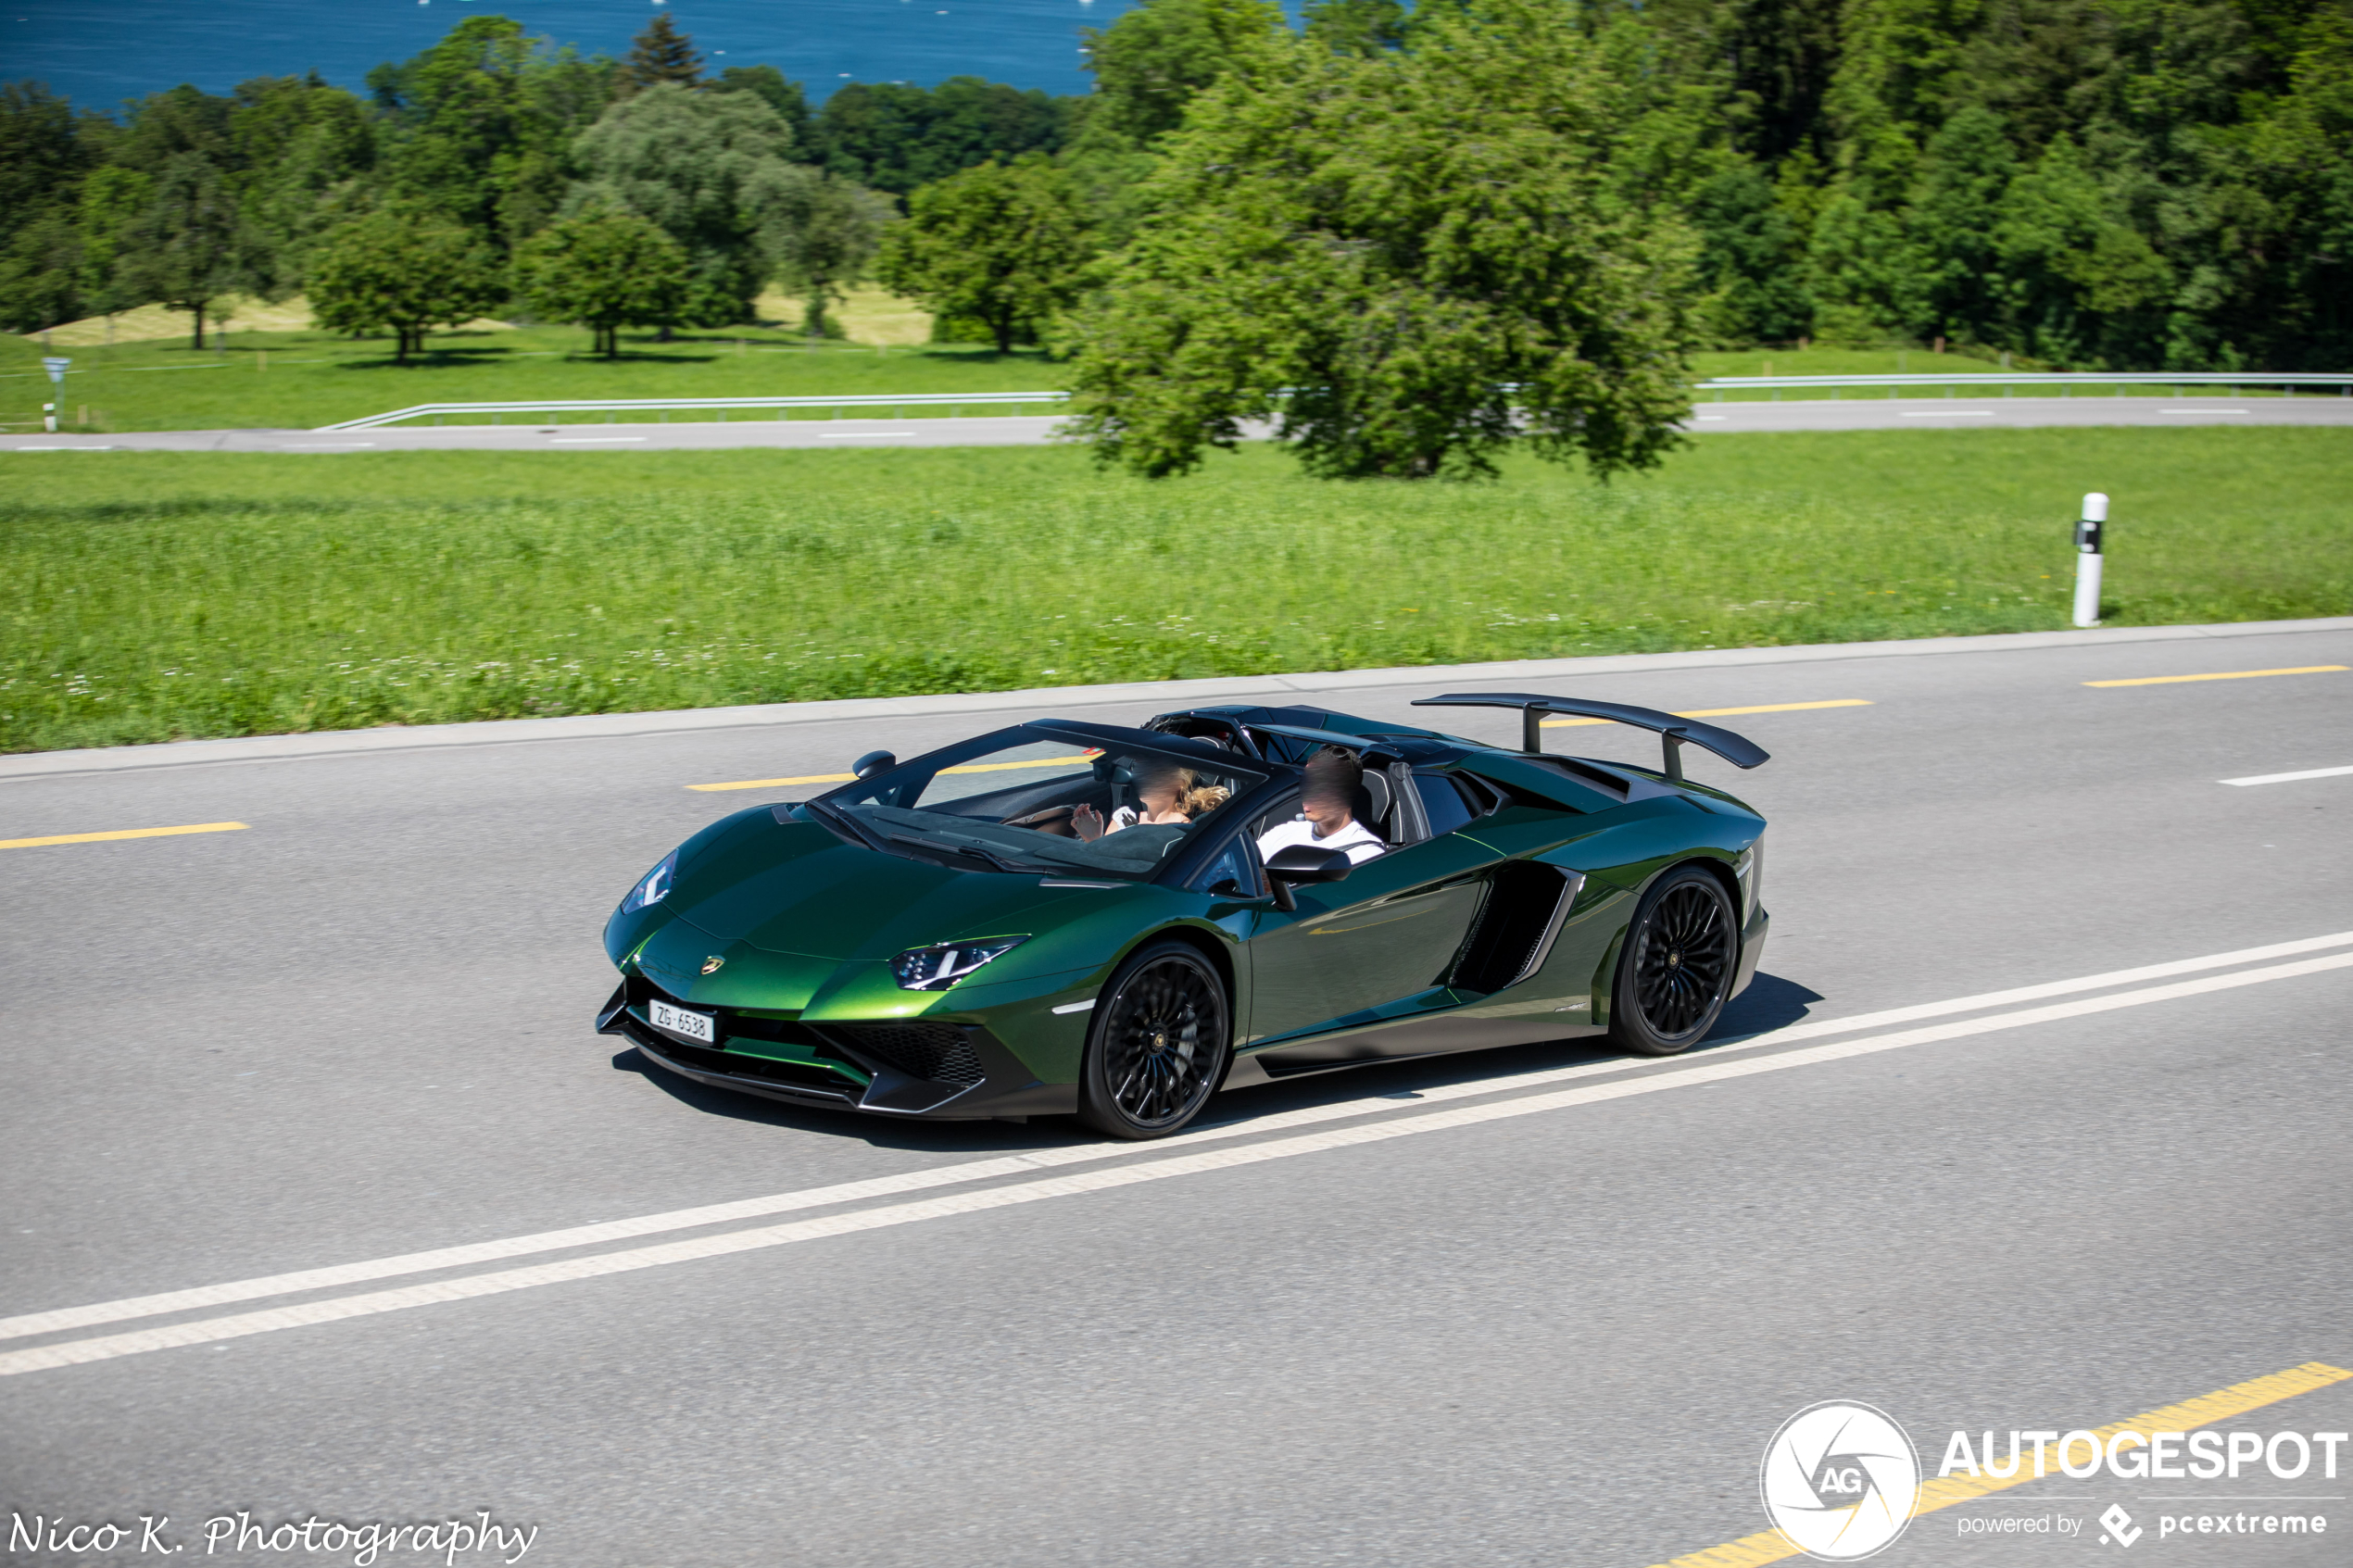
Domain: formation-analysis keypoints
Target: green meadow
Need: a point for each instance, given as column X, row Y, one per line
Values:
column 147, row 596
column 303, row 380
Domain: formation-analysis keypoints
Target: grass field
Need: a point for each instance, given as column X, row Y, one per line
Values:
column 147, row 596
column 301, row 380
column 278, row 380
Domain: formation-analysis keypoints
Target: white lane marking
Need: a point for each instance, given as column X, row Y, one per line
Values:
column 591, row 440
column 329, row 445
column 92, row 448
column 2291, row 778
column 1082, row 1006
column 867, row 435
column 2051, row 989
column 2201, row 410
column 1715, row 415
column 1954, row 414
column 74, row 1352
column 61, row 1318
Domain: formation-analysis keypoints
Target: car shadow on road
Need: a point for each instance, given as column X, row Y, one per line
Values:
column 1770, row 1002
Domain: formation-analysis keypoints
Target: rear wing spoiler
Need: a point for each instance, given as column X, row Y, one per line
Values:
column 1672, row 729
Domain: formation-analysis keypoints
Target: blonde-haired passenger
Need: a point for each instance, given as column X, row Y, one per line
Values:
column 1168, row 796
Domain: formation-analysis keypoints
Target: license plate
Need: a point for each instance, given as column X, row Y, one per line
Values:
column 700, row 1026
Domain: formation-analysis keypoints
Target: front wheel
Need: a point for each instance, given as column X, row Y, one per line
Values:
column 1676, row 970
column 1158, row 1047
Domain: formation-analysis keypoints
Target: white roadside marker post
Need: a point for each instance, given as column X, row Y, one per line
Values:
column 55, row 366
column 2087, row 560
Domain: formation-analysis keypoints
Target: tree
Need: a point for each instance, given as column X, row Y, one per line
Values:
column 703, row 165
column 768, row 84
column 662, row 53
column 478, row 127
column 1751, row 257
column 603, row 271
column 112, row 199
column 301, row 150
column 1356, row 27
column 188, row 248
column 1002, row 246
column 398, row 271
column 41, row 151
column 823, row 232
column 1956, row 201
column 44, row 154
column 895, row 137
column 1149, row 63
column 39, row 270
column 1405, row 264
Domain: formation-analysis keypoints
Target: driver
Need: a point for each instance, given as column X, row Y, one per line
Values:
column 1326, row 810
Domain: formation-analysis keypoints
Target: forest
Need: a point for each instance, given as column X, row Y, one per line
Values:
column 2082, row 184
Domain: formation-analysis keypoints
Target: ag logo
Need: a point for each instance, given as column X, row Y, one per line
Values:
column 1839, row 1480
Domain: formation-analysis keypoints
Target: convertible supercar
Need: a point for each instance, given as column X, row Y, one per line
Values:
column 1030, row 922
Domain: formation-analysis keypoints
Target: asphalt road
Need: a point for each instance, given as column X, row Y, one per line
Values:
column 1558, row 1329
column 1023, row 429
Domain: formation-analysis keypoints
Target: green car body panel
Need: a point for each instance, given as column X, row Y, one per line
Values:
column 782, row 930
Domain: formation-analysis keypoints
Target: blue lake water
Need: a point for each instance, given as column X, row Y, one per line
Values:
column 100, row 51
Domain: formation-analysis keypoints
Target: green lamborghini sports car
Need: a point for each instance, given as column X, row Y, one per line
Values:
column 1066, row 917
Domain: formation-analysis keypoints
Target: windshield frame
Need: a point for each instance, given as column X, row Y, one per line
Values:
column 1253, row 776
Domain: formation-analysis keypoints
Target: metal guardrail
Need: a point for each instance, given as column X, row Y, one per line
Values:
column 2067, row 381
column 781, row 407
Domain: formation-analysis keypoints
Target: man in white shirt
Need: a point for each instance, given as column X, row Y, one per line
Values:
column 1328, row 805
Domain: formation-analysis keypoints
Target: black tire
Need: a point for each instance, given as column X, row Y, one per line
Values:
column 1158, row 1047
column 1676, row 970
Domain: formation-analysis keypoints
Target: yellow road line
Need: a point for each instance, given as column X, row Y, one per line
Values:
column 119, row 832
column 1726, row 712
column 2225, row 676
column 845, row 778
column 1944, row 1491
column 771, row 784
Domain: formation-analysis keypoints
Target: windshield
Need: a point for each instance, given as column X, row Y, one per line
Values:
column 1031, row 800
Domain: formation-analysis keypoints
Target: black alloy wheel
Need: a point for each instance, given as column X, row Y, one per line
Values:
column 1676, row 973
column 1159, row 1044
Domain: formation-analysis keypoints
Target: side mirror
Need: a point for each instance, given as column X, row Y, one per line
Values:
column 873, row 762
column 1304, row 862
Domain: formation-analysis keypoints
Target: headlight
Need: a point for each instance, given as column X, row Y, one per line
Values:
column 654, row 886
column 936, row 969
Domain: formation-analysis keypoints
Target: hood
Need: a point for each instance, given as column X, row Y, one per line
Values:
column 796, row 888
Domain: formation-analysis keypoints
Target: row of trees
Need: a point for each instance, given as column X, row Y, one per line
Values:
column 455, row 187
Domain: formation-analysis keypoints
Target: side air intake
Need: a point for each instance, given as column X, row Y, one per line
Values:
column 1526, row 900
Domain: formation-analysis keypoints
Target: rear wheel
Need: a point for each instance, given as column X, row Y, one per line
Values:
column 1159, row 1044
column 1676, row 970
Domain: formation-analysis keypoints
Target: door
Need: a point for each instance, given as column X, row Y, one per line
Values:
column 1376, row 944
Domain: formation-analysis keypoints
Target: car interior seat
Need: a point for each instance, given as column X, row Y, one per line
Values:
column 1374, row 803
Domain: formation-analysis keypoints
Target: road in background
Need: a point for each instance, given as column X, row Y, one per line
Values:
column 359, row 1027
column 1024, row 429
